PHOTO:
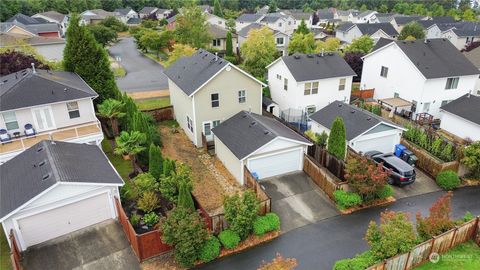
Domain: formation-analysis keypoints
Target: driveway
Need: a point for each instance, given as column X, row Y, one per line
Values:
column 143, row 74
column 423, row 184
column 102, row 246
column 297, row 200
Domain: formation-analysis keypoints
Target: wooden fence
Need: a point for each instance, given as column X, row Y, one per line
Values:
column 323, row 158
column 439, row 244
column 265, row 201
column 161, row 114
column 363, row 94
column 15, row 254
column 144, row 245
column 322, row 177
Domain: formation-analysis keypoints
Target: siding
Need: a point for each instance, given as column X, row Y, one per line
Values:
column 51, row 52
column 459, row 126
column 229, row 160
column 182, row 105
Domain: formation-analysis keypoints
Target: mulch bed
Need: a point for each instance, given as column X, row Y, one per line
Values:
column 375, row 203
column 470, row 182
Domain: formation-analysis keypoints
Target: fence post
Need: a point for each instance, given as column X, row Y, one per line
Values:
column 476, row 233
column 433, row 244
column 453, row 237
column 408, row 258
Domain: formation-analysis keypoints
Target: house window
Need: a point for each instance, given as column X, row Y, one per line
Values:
column 289, row 22
column 189, row 124
column 280, row 41
column 444, row 102
column 207, row 129
column 452, row 83
column 10, row 120
column 285, row 84
column 341, row 86
column 311, row 88
column 310, row 110
column 279, row 24
column 215, row 100
column 241, row 96
column 216, row 123
column 73, row 110
column 216, row 42
column 279, row 76
column 384, row 72
column 396, row 95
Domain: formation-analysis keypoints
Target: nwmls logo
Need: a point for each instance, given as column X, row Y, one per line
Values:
column 434, row 257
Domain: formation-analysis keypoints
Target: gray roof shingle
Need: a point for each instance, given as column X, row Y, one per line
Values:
column 466, row 106
column 372, row 28
column 26, row 88
column 59, row 17
column 246, row 29
column 23, row 19
column 23, row 176
column 245, row 132
column 247, row 17
column 147, row 10
column 401, row 20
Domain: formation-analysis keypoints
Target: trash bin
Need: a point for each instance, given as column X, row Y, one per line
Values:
column 409, row 157
column 399, row 148
column 255, row 175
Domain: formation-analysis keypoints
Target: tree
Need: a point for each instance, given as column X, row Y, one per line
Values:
column 437, row 10
column 302, row 28
column 363, row 8
column 337, row 139
column 471, row 159
column 153, row 41
column 185, row 199
column 217, row 8
column 258, row 51
column 155, row 161
column 179, row 50
column 469, row 15
column 13, row 61
column 366, row 178
column 114, row 24
column 112, row 109
column 272, row 6
column 355, row 61
column 383, row 8
column 240, row 212
column 331, row 44
column 184, row 229
column 231, row 26
column 301, row 43
column 229, row 46
column 454, row 13
column 84, row 56
column 172, row 177
column 395, row 235
column 413, row 29
column 102, row 34
column 149, row 23
column 438, row 221
column 130, row 143
column 362, row 44
column 191, row 27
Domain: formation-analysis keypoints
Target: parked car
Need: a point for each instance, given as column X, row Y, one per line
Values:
column 402, row 173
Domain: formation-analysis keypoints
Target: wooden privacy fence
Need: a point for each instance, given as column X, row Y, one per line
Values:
column 265, row 201
column 323, row 158
column 144, row 245
column 439, row 244
column 15, row 254
column 363, row 94
column 161, row 114
column 322, row 177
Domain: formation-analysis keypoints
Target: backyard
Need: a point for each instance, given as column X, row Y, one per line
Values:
column 5, row 263
column 124, row 167
column 463, row 257
column 154, row 103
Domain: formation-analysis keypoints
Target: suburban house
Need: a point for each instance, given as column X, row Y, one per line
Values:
column 55, row 188
column 40, row 105
column 246, row 19
column 163, row 13
column 437, row 73
column 51, row 48
column 95, row 16
column 206, row 90
column 400, row 21
column 346, row 15
column 461, row 117
column 22, row 24
column 215, row 20
column 368, row 16
column 323, row 17
column 280, row 22
column 125, row 14
column 309, row 82
column 147, row 11
column 474, row 57
column 219, row 39
column 462, row 33
column 281, row 39
column 347, row 32
column 54, row 17
column 382, row 18
column 365, row 131
column 262, row 144
column 300, row 15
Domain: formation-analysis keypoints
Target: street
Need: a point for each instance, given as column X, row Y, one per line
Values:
column 143, row 74
column 319, row 245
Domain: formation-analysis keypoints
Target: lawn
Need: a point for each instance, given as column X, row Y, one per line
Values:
column 119, row 72
column 124, row 167
column 463, row 257
column 5, row 263
column 150, row 104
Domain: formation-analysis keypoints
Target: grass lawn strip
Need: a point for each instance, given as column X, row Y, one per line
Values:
column 151, row 104
column 465, row 256
column 5, row 262
column 123, row 167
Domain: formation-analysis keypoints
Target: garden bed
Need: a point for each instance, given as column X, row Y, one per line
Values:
column 379, row 202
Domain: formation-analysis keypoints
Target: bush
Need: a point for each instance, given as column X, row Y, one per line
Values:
column 279, row 263
column 366, row 178
column 148, row 202
column 337, row 139
column 359, row 262
column 346, row 199
column 241, row 212
column 155, row 161
column 231, row 59
column 386, row 192
column 210, row 249
column 471, row 159
column 229, row 239
column 448, row 180
column 438, row 221
column 145, row 182
column 150, row 219
column 263, row 224
column 129, row 192
column 135, row 220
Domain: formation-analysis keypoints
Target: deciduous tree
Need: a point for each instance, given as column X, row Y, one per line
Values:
column 179, row 50
column 301, row 43
column 413, row 29
column 191, row 27
column 438, row 221
column 102, row 34
column 471, row 159
column 355, row 61
column 329, row 45
column 366, row 178
column 13, row 61
column 363, row 44
column 258, row 51
column 240, row 212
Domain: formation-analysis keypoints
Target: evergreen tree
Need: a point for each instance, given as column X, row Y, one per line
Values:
column 168, row 167
column 185, row 199
column 84, row 56
column 337, row 139
column 302, row 28
column 413, row 29
column 229, row 46
column 217, row 9
column 155, row 161
column 272, row 6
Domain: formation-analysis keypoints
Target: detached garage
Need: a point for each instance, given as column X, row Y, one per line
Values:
column 55, row 188
column 365, row 131
column 262, row 144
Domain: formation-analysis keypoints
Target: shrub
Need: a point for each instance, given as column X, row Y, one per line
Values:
column 185, row 197
column 386, row 192
column 263, row 224
column 210, row 249
column 155, row 161
column 129, row 191
column 337, row 139
column 467, row 217
column 229, row 239
column 365, row 177
column 346, row 199
column 359, row 262
column 148, row 202
column 231, row 59
column 279, row 263
column 145, row 182
column 321, row 139
column 448, row 180
column 438, row 221
column 150, row 219
column 240, row 212
column 169, row 184
column 471, row 159
column 135, row 220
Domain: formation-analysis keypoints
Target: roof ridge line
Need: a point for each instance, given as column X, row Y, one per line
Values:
column 51, row 160
column 40, row 76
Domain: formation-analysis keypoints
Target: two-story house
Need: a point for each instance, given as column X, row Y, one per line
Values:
column 215, row 20
column 368, row 16
column 40, row 105
column 147, row 11
column 299, row 16
column 246, row 19
column 309, row 82
column 125, row 14
column 206, row 90
column 428, row 73
column 347, row 32
column 281, row 39
column 280, row 22
column 346, row 15
column 54, row 17
column 219, row 39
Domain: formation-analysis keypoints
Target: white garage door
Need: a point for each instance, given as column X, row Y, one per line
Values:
column 384, row 144
column 64, row 219
column 276, row 164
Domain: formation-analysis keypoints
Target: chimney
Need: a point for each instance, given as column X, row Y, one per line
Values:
column 33, row 68
column 323, row 51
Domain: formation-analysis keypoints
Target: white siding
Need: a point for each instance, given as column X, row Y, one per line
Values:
column 183, row 107
column 349, row 36
column 459, row 126
column 229, row 160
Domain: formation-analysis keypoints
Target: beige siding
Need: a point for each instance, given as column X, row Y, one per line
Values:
column 229, row 160
column 182, row 105
column 223, row 45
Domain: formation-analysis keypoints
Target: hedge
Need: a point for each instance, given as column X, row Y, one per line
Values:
column 229, row 239
column 359, row 262
column 263, row 224
column 210, row 249
column 346, row 199
column 448, row 180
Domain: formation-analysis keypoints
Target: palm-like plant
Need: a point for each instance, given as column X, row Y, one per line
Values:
column 113, row 110
column 130, row 143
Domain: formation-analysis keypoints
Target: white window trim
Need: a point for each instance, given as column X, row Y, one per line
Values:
column 244, row 96
column 16, row 120
column 457, row 79
column 381, row 72
column 344, row 84
column 213, row 100
column 70, row 110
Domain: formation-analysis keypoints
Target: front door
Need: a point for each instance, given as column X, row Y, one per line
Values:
column 43, row 118
column 207, row 130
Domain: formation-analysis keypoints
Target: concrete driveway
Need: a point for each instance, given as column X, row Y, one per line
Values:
column 143, row 74
column 423, row 184
column 297, row 200
column 102, row 246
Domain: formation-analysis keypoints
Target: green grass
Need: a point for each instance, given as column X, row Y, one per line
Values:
column 5, row 263
column 124, row 167
column 119, row 72
column 150, row 104
column 169, row 123
column 463, row 257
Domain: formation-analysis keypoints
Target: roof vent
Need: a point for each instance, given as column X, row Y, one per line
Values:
column 352, row 111
column 404, row 42
column 46, row 176
column 369, row 118
column 266, row 132
column 339, row 104
column 310, row 55
column 296, row 56
column 245, row 115
column 253, row 124
column 40, row 149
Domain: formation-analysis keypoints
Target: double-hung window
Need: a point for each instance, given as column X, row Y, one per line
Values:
column 279, row 77
column 215, row 100
column 384, row 72
column 241, row 96
column 311, row 88
column 189, row 124
column 341, row 86
column 452, row 83
column 285, row 84
column 10, row 120
column 73, row 111
column 217, row 42
column 280, row 41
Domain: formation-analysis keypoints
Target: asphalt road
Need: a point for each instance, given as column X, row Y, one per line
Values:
column 319, row 245
column 143, row 74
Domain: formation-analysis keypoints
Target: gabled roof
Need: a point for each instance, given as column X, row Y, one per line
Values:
column 344, row 27
column 23, row 19
column 218, row 31
column 298, row 14
column 273, row 17
column 465, row 29
column 122, row 11
column 382, row 42
column 324, row 14
column 59, row 17
column 246, row 29
column 172, row 19
column 148, row 10
column 48, row 163
column 7, row 39
column 244, row 133
column 401, row 20
column 443, row 19
column 309, row 67
column 466, row 106
column 247, row 17
column 27, row 88
column 134, row 21
column 366, row 13
column 474, row 56
column 372, row 28
column 356, row 120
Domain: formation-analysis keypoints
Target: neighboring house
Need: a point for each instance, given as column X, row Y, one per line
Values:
column 324, row 16
column 134, row 22
column 280, row 22
column 346, row 15
column 300, row 15
column 400, row 21
column 319, row 34
column 365, row 131
column 262, row 144
column 206, row 90
column 55, row 17
column 474, row 57
column 462, row 33
column 55, row 188
column 171, row 22
column 147, row 11
column 347, row 32
column 95, row 16
column 281, row 39
column 219, row 39
column 51, row 48
column 246, row 19
column 309, row 82
column 368, row 16
column 125, row 14
column 57, row 104
column 41, row 29
column 461, row 117
column 215, row 20
column 163, row 13
column 437, row 73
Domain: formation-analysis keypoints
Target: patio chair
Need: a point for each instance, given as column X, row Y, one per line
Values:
column 29, row 130
column 4, row 136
